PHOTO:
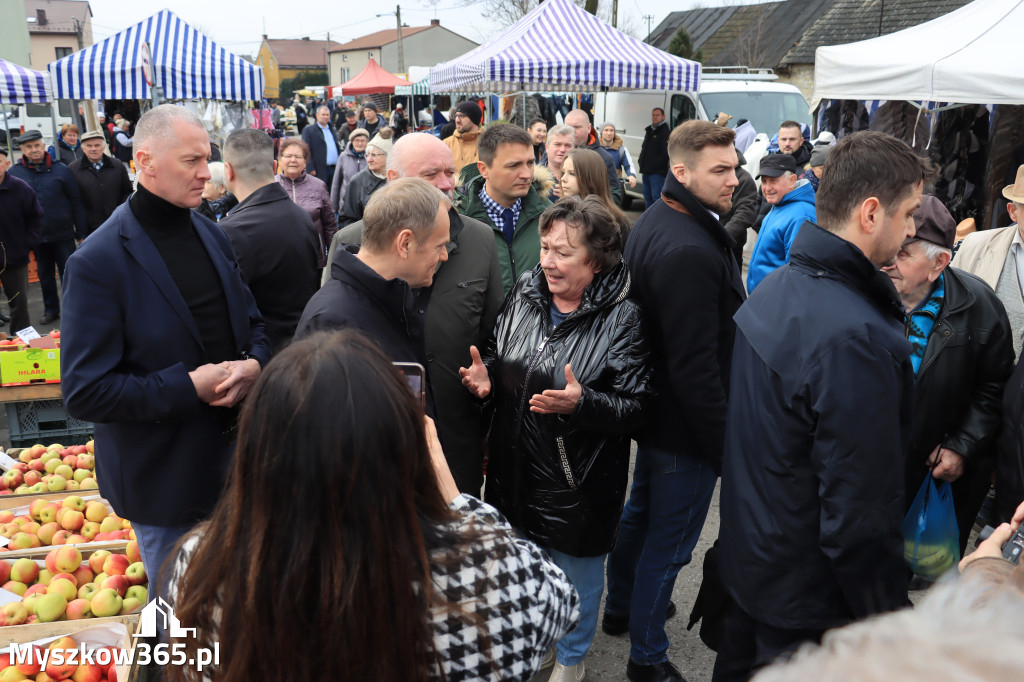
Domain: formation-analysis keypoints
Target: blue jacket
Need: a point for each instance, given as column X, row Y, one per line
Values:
column 820, row 410
column 22, row 221
column 55, row 187
column 778, row 230
column 129, row 342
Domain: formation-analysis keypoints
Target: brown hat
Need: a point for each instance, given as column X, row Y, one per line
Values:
column 90, row 135
column 1015, row 192
column 933, row 223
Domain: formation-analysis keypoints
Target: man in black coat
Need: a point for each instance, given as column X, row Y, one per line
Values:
column 382, row 288
column 63, row 215
column 20, row 229
column 653, row 159
column 819, row 418
column 962, row 356
column 273, row 238
column 792, row 142
column 103, row 181
column 744, row 208
column 688, row 285
column 322, row 140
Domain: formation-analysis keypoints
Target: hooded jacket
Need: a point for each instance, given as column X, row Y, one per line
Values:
column 464, row 150
column 524, row 252
column 819, row 411
column 778, row 230
column 101, row 190
column 63, row 215
column 310, row 193
column 350, row 163
column 560, row 479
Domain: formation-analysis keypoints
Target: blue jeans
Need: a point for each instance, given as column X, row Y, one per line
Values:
column 660, row 525
column 652, row 188
column 587, row 575
column 48, row 256
column 155, row 544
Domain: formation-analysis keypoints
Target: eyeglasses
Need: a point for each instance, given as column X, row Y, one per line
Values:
column 292, row 156
column 374, row 155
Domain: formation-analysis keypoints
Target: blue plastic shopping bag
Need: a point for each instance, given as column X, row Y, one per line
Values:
column 931, row 539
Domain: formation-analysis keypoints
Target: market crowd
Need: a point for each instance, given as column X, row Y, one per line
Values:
column 230, row 327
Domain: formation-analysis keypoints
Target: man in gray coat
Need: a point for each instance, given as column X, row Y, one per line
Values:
column 467, row 293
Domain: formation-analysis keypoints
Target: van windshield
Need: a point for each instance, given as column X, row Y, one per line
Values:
column 764, row 110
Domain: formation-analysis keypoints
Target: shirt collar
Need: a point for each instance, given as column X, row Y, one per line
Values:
column 1018, row 242
column 494, row 209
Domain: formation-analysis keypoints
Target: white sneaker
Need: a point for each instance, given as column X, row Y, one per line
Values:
column 549, row 659
column 572, row 673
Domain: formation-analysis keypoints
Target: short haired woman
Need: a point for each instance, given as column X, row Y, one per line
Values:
column 217, row 200
column 307, row 191
column 568, row 373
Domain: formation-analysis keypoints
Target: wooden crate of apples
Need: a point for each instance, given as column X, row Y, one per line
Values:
column 66, row 585
column 72, row 520
column 50, row 468
column 37, row 661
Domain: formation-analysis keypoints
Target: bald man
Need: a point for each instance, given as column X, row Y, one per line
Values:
column 587, row 138
column 464, row 301
column 161, row 340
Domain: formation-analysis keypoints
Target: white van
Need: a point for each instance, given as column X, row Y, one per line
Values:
column 22, row 118
column 742, row 93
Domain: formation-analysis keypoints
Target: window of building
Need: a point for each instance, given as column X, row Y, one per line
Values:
column 63, row 51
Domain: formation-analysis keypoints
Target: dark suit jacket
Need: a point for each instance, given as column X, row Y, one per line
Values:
column 128, row 344
column 314, row 138
column 277, row 246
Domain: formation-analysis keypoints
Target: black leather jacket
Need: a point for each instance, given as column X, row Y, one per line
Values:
column 561, row 480
column 969, row 358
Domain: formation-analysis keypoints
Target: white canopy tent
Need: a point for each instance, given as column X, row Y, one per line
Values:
column 966, row 56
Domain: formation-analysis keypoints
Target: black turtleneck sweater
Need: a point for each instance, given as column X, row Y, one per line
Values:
column 170, row 227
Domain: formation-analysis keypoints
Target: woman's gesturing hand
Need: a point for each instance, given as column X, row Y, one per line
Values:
column 559, row 402
column 475, row 378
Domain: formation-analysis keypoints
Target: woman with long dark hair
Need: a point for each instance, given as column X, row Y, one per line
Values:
column 584, row 174
column 341, row 548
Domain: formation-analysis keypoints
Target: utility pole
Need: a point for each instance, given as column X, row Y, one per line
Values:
column 615, row 13
column 401, row 52
column 648, row 18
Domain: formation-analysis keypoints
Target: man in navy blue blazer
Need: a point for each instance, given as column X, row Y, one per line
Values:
column 161, row 340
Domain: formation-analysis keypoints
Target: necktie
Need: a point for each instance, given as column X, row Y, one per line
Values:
column 508, row 224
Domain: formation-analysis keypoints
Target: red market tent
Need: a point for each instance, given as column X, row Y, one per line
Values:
column 373, row 80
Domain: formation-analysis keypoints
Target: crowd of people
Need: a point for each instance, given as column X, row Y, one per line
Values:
column 238, row 318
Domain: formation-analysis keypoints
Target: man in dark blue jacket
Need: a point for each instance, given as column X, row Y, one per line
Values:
column 64, row 218
column 688, row 285
column 19, row 231
column 161, row 340
column 322, row 140
column 819, row 418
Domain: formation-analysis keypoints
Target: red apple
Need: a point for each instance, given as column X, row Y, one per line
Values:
column 72, row 520
column 78, row 609
column 116, row 564
column 133, row 553
column 67, row 559
column 34, row 664
column 25, row 571
column 96, row 560
column 136, row 573
column 118, row 583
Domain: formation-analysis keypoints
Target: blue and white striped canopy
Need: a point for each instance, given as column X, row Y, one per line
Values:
column 561, row 47
column 186, row 64
column 19, row 85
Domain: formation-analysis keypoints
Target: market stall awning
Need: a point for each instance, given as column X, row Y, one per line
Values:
column 963, row 57
column 19, row 85
column 372, row 80
column 560, row 47
column 420, row 87
column 186, row 65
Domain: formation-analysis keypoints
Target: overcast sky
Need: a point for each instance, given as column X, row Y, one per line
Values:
column 239, row 26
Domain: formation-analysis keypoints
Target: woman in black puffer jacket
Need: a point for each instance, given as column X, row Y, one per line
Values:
column 568, row 363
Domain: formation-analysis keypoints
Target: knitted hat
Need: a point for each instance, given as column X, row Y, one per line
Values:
column 472, row 111
column 381, row 144
column 818, row 154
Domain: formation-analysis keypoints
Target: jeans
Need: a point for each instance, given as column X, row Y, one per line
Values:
column 15, row 283
column 587, row 575
column 652, row 188
column 48, row 256
column 155, row 545
column 660, row 525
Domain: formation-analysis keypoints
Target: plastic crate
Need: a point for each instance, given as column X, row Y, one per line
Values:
column 44, row 421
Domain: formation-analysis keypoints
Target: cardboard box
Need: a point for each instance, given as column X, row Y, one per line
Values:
column 30, row 366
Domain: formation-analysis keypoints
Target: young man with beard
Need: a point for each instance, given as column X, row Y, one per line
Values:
column 819, row 419
column 677, row 247
column 463, row 141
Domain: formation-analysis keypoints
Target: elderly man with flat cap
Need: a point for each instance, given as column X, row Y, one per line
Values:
column 103, row 181
column 997, row 256
column 792, row 203
column 962, row 354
